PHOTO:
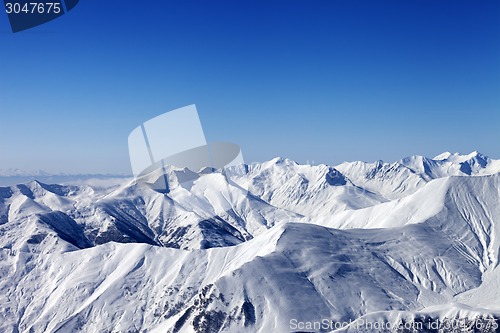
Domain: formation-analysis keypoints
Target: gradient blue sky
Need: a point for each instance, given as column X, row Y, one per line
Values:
column 322, row 81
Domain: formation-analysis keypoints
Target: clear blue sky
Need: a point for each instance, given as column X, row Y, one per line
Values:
column 323, row 81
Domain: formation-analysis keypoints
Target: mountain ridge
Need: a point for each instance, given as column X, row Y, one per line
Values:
column 253, row 248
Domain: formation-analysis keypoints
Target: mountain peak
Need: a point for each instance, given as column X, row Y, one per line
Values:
column 281, row 160
column 442, row 156
column 476, row 154
column 459, row 158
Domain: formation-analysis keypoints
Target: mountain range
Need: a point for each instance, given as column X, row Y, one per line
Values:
column 269, row 247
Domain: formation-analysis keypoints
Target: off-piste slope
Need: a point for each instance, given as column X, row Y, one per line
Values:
column 294, row 271
column 72, row 258
column 202, row 210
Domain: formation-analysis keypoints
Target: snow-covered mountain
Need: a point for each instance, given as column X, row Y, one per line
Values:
column 14, row 172
column 270, row 247
column 405, row 176
column 9, row 177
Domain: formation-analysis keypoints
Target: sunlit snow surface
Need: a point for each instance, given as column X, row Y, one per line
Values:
column 359, row 241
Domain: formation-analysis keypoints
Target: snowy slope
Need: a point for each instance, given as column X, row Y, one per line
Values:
column 407, row 175
column 450, row 317
column 293, row 271
column 211, row 213
column 415, row 238
column 306, row 190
